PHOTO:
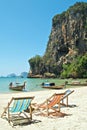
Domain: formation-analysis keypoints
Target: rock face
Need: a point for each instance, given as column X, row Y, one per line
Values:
column 67, row 40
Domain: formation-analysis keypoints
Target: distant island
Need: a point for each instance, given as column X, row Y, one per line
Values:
column 22, row 75
column 66, row 52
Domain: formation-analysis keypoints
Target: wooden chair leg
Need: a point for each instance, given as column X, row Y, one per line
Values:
column 8, row 114
column 67, row 101
column 30, row 112
column 47, row 109
column 59, row 107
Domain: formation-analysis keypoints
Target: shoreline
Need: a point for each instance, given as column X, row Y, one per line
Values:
column 76, row 120
column 32, row 84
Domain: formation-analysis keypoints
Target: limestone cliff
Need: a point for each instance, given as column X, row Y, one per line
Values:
column 67, row 40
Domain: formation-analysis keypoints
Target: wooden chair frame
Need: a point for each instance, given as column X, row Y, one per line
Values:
column 55, row 99
column 21, row 108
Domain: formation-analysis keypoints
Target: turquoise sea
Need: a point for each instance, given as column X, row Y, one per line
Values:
column 32, row 84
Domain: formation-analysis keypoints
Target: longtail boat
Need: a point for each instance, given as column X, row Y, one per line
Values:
column 52, row 86
column 76, row 83
column 17, row 87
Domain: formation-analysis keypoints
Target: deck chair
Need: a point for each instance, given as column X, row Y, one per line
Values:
column 50, row 104
column 54, row 102
column 66, row 97
column 16, row 107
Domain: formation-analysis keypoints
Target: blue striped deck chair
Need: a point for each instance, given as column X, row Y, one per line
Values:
column 18, row 105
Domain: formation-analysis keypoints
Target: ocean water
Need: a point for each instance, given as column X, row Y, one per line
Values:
column 32, row 84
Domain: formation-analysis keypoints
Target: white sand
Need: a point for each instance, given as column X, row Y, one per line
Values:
column 77, row 120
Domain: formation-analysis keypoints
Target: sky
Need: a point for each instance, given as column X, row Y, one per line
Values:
column 25, row 26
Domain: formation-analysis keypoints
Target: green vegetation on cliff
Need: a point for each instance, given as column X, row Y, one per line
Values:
column 66, row 50
column 77, row 69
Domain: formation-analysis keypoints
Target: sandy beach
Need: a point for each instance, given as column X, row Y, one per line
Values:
column 77, row 114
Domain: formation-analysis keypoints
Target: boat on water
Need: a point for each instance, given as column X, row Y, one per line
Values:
column 17, row 86
column 52, row 86
column 76, row 83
